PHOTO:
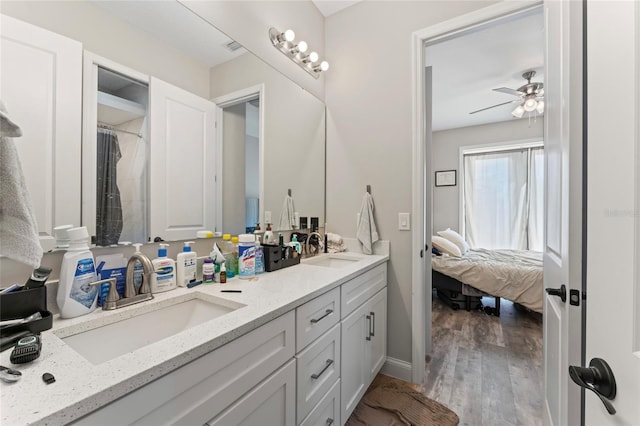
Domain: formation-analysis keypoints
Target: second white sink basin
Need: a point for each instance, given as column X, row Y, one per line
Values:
column 332, row 260
column 112, row 340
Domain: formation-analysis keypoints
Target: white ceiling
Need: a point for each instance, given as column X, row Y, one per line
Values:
column 466, row 68
column 329, row 7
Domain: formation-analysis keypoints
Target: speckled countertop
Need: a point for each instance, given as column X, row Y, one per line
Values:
column 82, row 387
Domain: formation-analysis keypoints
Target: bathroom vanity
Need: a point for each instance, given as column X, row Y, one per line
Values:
column 297, row 346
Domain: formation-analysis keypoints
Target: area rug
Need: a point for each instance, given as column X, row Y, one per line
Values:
column 393, row 402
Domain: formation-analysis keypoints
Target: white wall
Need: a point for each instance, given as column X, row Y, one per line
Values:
column 446, row 156
column 369, row 133
column 112, row 38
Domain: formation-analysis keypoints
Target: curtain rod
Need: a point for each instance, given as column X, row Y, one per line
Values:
column 115, row 129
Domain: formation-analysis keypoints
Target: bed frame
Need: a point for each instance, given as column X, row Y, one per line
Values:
column 442, row 283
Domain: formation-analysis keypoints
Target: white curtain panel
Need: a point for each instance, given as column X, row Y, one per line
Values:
column 496, row 199
column 536, row 199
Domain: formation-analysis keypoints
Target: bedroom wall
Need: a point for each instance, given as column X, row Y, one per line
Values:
column 446, row 156
column 369, row 132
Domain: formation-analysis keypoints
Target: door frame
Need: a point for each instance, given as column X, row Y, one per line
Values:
column 225, row 101
column 421, row 171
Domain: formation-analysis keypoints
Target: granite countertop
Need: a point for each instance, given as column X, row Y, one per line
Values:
column 82, row 387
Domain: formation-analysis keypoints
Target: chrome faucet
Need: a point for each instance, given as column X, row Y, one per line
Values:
column 114, row 301
column 314, row 245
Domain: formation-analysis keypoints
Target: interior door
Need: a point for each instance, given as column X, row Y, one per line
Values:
column 182, row 166
column 613, row 215
column 563, row 205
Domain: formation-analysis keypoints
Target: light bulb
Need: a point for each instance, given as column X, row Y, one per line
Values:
column 540, row 107
column 289, row 35
column 302, row 47
column 313, row 57
column 324, row 65
column 518, row 112
column 530, row 104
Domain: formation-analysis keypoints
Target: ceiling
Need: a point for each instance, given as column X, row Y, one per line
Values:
column 468, row 67
column 329, row 7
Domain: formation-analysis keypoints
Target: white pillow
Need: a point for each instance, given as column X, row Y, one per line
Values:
column 456, row 239
column 445, row 246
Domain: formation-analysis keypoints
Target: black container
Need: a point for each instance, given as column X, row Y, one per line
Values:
column 21, row 304
column 275, row 257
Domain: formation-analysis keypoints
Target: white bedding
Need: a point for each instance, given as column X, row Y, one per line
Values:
column 515, row 275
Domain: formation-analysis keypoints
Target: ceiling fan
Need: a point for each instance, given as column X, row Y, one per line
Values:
column 530, row 97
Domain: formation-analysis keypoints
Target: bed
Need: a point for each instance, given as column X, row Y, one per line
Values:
column 515, row 275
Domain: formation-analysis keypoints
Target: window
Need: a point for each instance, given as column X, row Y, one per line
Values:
column 503, row 198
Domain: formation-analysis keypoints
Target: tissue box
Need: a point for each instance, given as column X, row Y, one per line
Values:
column 21, row 304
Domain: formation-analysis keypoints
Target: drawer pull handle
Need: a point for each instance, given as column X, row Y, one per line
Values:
column 368, row 328
column 329, row 422
column 326, row 314
column 373, row 323
column 327, row 365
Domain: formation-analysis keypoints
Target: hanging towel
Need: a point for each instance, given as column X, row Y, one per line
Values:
column 287, row 216
column 18, row 229
column 367, row 232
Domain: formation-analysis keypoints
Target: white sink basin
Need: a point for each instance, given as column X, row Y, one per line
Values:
column 332, row 260
column 112, row 340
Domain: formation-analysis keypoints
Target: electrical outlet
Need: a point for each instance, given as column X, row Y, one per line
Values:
column 404, row 221
column 267, row 217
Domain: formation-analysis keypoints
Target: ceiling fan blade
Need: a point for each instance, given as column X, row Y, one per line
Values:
column 508, row 91
column 493, row 106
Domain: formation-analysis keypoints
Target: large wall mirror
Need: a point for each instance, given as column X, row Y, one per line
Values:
column 269, row 139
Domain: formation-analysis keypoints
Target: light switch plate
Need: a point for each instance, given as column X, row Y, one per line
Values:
column 404, row 221
column 267, row 216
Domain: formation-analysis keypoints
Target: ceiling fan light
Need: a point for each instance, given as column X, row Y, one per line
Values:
column 530, row 104
column 540, row 107
column 518, row 112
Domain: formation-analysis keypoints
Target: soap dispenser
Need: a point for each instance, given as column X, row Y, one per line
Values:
column 186, row 265
column 164, row 278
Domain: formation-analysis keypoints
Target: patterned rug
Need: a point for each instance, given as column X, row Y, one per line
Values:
column 393, row 402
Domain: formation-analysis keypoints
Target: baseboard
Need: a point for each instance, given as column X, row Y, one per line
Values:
column 397, row 368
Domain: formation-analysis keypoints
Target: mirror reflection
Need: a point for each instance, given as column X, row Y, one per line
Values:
column 240, row 180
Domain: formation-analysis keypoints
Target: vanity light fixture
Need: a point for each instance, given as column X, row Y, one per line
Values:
column 283, row 41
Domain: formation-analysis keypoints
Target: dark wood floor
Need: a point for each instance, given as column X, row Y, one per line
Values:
column 487, row 369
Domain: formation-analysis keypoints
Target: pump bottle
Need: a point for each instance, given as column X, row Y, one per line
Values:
column 186, row 265
column 164, row 278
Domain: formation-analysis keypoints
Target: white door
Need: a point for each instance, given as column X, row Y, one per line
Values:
column 613, row 209
column 563, row 204
column 41, row 86
column 182, row 166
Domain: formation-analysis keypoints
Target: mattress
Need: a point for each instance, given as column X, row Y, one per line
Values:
column 514, row 275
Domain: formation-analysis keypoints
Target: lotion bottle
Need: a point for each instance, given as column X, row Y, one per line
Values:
column 75, row 296
column 186, row 265
column 164, row 278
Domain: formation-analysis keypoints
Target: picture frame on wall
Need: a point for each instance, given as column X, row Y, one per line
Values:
column 446, row 178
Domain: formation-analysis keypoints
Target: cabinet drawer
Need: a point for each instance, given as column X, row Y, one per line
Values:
column 327, row 412
column 272, row 402
column 318, row 369
column 358, row 290
column 317, row 316
column 202, row 389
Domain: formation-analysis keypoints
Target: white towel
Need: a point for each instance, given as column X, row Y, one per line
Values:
column 287, row 215
column 367, row 232
column 18, row 230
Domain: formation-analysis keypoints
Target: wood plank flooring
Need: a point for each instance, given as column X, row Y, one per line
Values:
column 487, row 369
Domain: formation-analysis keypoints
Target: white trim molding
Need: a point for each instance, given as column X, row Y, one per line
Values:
column 397, row 368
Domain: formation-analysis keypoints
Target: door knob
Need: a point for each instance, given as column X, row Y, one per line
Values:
column 598, row 378
column 560, row 292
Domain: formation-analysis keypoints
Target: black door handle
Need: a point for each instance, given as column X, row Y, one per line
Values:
column 598, row 378
column 560, row 292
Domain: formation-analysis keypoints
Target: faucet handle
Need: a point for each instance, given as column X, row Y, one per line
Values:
column 112, row 296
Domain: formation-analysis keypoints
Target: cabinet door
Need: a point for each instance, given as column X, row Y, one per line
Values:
column 271, row 403
column 378, row 343
column 182, row 166
column 41, row 86
column 355, row 369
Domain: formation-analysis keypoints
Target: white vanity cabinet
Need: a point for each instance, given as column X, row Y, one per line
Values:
column 364, row 335
column 235, row 382
column 41, row 86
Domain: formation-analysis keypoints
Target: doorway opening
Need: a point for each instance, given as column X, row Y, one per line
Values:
column 460, row 62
